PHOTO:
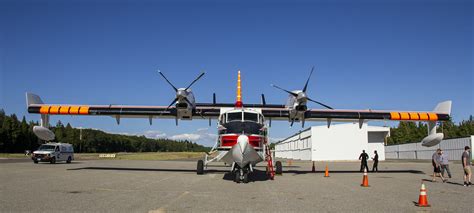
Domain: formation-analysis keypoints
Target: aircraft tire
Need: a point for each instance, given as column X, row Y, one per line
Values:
column 200, row 167
column 279, row 168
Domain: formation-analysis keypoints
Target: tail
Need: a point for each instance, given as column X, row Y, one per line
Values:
column 433, row 137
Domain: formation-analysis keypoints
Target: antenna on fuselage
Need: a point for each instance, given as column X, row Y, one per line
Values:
column 238, row 103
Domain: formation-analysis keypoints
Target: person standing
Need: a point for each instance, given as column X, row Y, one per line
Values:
column 466, row 164
column 375, row 167
column 436, row 165
column 363, row 163
column 444, row 164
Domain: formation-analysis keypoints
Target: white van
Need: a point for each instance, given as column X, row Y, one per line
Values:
column 53, row 152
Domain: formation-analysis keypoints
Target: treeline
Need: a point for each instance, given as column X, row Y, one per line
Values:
column 411, row 132
column 17, row 136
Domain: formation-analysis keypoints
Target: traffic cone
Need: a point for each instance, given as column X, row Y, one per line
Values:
column 365, row 180
column 423, row 198
column 326, row 173
column 314, row 168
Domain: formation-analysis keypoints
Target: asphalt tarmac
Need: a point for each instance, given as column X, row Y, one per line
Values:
column 173, row 186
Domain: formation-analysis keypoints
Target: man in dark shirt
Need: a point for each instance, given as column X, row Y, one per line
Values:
column 466, row 164
column 363, row 163
column 375, row 167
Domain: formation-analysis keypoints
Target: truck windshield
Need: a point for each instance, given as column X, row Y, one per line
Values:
column 46, row 147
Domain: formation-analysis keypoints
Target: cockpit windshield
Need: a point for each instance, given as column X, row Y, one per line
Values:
column 250, row 117
column 234, row 116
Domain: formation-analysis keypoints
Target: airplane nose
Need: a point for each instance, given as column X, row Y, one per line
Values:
column 243, row 141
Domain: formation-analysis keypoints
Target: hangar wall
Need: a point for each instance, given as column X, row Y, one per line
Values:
column 452, row 147
column 339, row 142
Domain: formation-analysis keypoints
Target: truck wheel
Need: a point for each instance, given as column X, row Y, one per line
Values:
column 52, row 161
column 279, row 169
column 200, row 167
column 35, row 161
column 69, row 159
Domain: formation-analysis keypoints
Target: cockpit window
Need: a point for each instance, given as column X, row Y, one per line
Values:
column 250, row 117
column 234, row 116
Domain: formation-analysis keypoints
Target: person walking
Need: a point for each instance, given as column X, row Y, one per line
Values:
column 444, row 164
column 375, row 166
column 436, row 165
column 466, row 164
column 363, row 163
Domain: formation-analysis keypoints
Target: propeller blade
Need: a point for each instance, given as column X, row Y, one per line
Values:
column 175, row 89
column 174, row 101
column 307, row 81
column 195, row 80
column 263, row 100
column 289, row 92
column 187, row 101
column 324, row 105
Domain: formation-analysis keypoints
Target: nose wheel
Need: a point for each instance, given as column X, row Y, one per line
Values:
column 241, row 175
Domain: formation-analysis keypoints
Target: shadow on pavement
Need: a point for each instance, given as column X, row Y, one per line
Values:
column 357, row 171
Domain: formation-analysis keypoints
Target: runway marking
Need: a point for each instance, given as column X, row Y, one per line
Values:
column 163, row 208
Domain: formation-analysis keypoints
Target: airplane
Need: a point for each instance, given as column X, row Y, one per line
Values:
column 242, row 128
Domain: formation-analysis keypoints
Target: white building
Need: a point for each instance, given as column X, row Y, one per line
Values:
column 339, row 142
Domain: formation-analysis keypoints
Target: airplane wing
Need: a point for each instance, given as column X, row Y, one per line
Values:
column 36, row 105
column 440, row 113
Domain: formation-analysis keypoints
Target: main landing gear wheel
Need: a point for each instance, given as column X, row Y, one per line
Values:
column 279, row 168
column 200, row 167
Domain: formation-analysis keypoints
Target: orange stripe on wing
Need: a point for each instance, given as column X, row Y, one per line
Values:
column 394, row 115
column 54, row 110
column 433, row 116
column 423, row 116
column 84, row 110
column 44, row 109
column 414, row 116
column 404, row 116
column 64, row 110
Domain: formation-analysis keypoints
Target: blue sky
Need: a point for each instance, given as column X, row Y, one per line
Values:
column 405, row 55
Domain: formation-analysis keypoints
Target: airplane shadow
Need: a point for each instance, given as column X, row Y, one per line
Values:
column 257, row 175
column 447, row 182
column 145, row 169
column 356, row 171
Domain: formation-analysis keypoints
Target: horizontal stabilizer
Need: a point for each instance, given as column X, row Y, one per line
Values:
column 33, row 99
column 443, row 107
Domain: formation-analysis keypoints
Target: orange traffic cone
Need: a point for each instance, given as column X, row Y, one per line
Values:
column 423, row 199
column 365, row 180
column 326, row 173
column 314, row 168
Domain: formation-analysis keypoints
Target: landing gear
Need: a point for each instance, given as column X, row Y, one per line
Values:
column 241, row 175
column 200, row 167
column 279, row 168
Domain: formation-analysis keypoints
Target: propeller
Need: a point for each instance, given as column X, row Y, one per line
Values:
column 301, row 96
column 181, row 93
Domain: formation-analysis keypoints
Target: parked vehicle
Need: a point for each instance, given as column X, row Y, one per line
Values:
column 53, row 152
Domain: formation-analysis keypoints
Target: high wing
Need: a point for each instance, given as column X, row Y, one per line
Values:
column 440, row 113
column 36, row 105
